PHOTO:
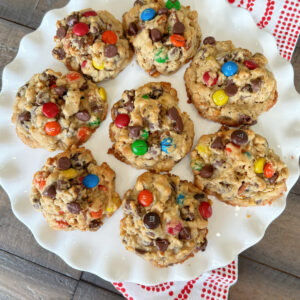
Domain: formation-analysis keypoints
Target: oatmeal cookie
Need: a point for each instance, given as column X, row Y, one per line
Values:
column 92, row 42
column 54, row 111
column 165, row 219
column 238, row 167
column 73, row 192
column 230, row 85
column 148, row 130
column 164, row 36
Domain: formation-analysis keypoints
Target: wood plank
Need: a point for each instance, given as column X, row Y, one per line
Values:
column 91, row 278
column 260, row 282
column 87, row 291
column 28, row 13
column 280, row 246
column 9, row 43
column 23, row 280
column 16, row 238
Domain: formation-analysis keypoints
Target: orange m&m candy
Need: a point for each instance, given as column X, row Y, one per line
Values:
column 145, row 198
column 52, row 128
column 177, row 40
column 109, row 37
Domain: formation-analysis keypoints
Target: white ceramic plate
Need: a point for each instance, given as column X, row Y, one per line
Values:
column 231, row 230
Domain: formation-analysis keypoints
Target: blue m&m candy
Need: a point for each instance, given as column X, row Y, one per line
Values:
column 180, row 199
column 166, row 144
column 148, row 14
column 90, row 181
column 229, row 68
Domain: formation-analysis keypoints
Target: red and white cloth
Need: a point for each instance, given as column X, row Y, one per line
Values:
column 279, row 17
column 282, row 19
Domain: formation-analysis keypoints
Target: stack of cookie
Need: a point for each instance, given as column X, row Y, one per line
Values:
column 165, row 218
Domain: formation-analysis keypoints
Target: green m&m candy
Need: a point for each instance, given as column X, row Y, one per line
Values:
column 139, row 147
column 145, row 134
column 173, row 4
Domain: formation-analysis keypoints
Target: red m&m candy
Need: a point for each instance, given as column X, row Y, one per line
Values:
column 109, row 37
column 174, row 227
column 205, row 210
column 269, row 170
column 52, row 128
column 90, row 13
column 81, row 29
column 209, row 79
column 145, row 198
column 84, row 133
column 122, row 120
column 50, row 110
column 251, row 65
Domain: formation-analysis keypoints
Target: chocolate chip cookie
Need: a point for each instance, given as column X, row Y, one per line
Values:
column 165, row 219
column 238, row 167
column 73, row 192
column 164, row 36
column 148, row 130
column 93, row 43
column 54, row 111
column 230, row 85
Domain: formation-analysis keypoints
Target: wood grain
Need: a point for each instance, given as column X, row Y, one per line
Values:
column 20, row 279
column 258, row 282
column 16, row 238
column 85, row 291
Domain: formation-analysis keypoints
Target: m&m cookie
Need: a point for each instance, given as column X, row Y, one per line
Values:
column 93, row 43
column 230, row 85
column 165, row 36
column 73, row 192
column 165, row 219
column 54, row 111
column 148, row 130
column 238, row 167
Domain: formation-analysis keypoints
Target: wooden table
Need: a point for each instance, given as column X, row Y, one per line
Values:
column 268, row 270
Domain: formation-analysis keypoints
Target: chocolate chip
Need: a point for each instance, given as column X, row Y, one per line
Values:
column 64, row 163
column 273, row 179
column 178, row 126
column 256, row 84
column 59, row 53
column 138, row 2
column 50, row 191
column 84, row 86
column 156, row 93
column 83, row 115
column 209, row 40
column 239, row 137
column 199, row 196
column 110, row 51
column 134, row 131
column 206, row 171
column 231, row 89
column 74, row 208
column 95, row 108
column 62, row 185
column 178, row 28
column 247, row 88
column 165, row 38
column 173, row 186
column 217, row 144
column 163, row 11
column 140, row 251
column 186, row 214
column 173, row 113
column 203, row 245
column 72, row 20
column 129, row 106
column 185, row 233
column 244, row 119
column 174, row 53
column 25, row 116
column 95, row 224
column 151, row 220
column 60, row 90
column 155, row 35
column 36, row 203
column 127, row 204
column 133, row 29
column 161, row 244
column 61, row 32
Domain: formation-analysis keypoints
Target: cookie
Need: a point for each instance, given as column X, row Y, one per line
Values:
column 148, row 130
column 93, row 43
column 230, row 85
column 238, row 167
column 164, row 36
column 73, row 192
column 54, row 111
column 165, row 219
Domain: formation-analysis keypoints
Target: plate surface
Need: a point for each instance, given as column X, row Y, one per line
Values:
column 231, row 230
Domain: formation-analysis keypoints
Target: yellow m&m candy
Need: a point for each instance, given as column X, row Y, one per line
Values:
column 259, row 165
column 203, row 149
column 102, row 93
column 98, row 66
column 220, row 97
column 69, row 173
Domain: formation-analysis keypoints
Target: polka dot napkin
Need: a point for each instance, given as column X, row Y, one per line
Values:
column 281, row 19
column 278, row 17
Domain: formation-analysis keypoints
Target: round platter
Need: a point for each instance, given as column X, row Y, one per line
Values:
column 231, row 229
